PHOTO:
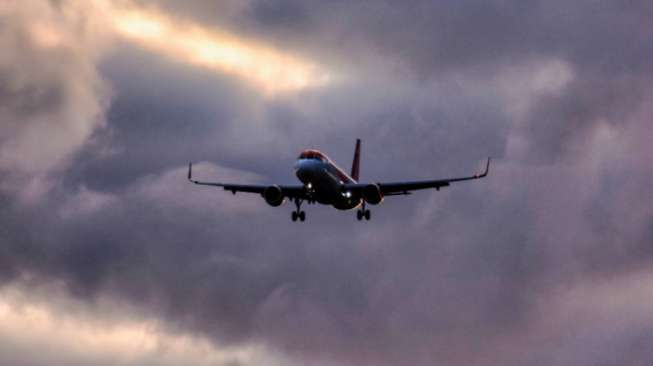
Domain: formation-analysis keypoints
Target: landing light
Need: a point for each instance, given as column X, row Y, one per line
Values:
column 309, row 186
column 348, row 194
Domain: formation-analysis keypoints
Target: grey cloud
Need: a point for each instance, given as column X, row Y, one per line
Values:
column 52, row 98
column 424, row 41
column 468, row 275
column 105, row 332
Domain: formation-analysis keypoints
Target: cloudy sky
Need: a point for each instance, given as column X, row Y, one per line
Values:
column 109, row 257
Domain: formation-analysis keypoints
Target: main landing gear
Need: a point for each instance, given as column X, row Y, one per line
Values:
column 298, row 214
column 363, row 213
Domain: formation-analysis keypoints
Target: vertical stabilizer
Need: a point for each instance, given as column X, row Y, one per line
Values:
column 355, row 166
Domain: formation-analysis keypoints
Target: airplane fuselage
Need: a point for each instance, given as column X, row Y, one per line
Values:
column 324, row 181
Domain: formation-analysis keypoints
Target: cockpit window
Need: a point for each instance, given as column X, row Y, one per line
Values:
column 312, row 155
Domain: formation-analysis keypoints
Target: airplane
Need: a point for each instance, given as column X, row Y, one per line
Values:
column 322, row 181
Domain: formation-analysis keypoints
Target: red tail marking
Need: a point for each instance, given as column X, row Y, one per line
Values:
column 355, row 166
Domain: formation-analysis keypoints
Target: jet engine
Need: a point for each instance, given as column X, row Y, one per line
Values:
column 273, row 196
column 372, row 194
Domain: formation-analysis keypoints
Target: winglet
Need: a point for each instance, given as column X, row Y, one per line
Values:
column 487, row 169
column 190, row 172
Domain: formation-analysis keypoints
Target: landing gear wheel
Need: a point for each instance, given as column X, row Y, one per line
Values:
column 298, row 213
column 360, row 214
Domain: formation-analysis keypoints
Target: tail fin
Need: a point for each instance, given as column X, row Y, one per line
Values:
column 355, row 166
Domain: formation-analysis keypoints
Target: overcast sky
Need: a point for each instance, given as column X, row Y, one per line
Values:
column 109, row 257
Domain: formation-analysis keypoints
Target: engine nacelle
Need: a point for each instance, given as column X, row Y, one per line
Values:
column 273, row 196
column 372, row 194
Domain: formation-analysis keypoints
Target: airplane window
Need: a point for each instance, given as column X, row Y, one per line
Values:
column 310, row 155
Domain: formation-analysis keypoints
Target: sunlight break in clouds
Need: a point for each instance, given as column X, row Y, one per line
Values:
column 271, row 70
column 66, row 334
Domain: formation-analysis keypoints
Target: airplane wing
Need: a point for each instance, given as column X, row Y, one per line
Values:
column 290, row 191
column 404, row 188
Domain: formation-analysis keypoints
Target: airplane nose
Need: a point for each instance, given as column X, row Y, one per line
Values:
column 304, row 170
column 304, row 174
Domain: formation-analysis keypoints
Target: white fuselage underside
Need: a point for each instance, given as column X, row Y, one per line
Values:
column 325, row 182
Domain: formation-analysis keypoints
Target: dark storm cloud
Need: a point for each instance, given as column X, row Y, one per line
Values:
column 491, row 272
